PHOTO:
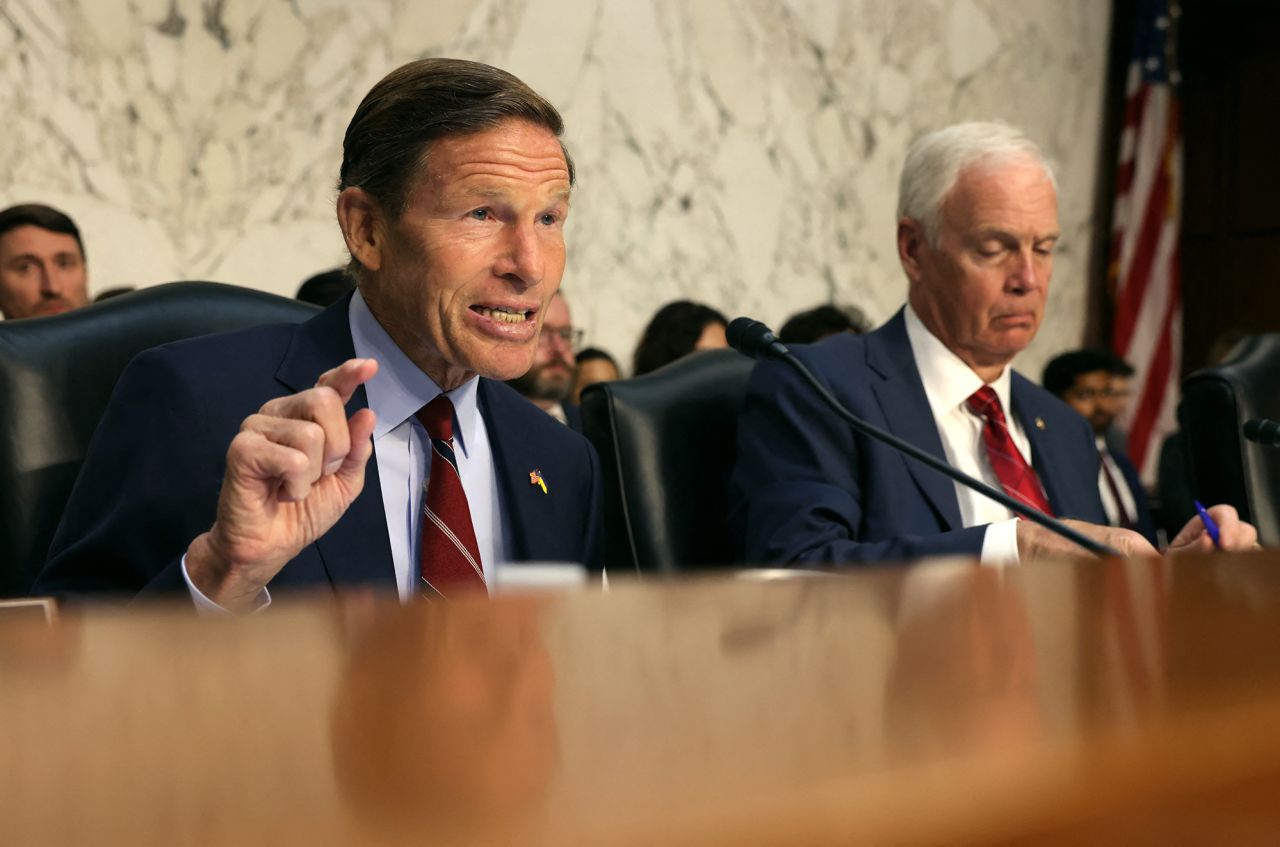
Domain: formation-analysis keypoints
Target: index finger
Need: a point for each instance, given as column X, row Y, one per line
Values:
column 348, row 376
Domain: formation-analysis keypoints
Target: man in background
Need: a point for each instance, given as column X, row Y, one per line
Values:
column 977, row 226
column 42, row 263
column 549, row 382
column 1084, row 380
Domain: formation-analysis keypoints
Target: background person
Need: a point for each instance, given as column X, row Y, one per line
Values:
column 1083, row 380
column 42, row 263
column 549, row 382
column 676, row 330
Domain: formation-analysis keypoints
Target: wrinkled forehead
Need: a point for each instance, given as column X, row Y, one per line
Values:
column 511, row 152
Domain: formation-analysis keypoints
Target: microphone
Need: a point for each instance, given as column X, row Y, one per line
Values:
column 1262, row 431
column 754, row 339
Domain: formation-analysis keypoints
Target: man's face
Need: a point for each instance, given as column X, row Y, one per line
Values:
column 1117, row 400
column 551, row 376
column 981, row 290
column 41, row 273
column 1090, row 395
column 462, row 279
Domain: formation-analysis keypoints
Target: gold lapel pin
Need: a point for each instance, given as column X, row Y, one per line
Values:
column 535, row 478
column 1039, row 422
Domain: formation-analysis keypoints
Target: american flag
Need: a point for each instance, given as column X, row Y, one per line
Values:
column 1145, row 255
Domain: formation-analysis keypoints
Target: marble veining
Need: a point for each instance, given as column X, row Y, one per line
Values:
column 740, row 152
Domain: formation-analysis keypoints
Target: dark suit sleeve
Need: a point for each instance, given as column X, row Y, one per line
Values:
column 801, row 488
column 145, row 491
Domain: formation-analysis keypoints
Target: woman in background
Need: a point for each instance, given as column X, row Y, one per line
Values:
column 677, row 329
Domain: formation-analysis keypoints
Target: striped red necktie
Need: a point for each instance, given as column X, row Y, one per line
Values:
column 448, row 556
column 1018, row 478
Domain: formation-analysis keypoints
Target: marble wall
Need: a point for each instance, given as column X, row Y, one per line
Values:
column 740, row 152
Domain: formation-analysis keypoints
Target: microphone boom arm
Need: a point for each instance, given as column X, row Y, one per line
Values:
column 928, row 459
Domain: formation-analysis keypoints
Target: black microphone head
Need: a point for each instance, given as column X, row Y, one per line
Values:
column 1262, row 431
column 752, row 338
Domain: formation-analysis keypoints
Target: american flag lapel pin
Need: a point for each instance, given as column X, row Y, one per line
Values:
column 535, row 478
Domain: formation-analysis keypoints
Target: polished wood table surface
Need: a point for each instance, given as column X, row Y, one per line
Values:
column 1102, row 703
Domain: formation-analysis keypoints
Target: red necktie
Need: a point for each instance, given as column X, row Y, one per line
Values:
column 448, row 558
column 1018, row 479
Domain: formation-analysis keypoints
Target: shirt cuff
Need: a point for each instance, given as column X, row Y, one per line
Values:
column 206, row 608
column 1000, row 543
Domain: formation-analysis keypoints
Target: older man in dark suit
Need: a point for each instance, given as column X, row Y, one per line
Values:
column 977, row 226
column 231, row 464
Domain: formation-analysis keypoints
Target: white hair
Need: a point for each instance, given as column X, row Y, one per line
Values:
column 934, row 162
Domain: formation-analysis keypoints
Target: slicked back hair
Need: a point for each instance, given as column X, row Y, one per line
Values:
column 390, row 135
column 45, row 217
column 934, row 163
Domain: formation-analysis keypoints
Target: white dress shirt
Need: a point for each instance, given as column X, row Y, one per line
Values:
column 402, row 450
column 948, row 383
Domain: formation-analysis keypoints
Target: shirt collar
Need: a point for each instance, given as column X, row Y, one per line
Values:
column 400, row 388
column 948, row 381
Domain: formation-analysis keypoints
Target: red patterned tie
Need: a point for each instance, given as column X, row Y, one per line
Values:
column 448, row 558
column 1018, row 479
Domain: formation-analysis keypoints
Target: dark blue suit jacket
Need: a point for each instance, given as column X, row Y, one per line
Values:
column 150, row 480
column 807, row 488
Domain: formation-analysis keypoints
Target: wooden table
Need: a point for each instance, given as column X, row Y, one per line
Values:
column 1126, row 703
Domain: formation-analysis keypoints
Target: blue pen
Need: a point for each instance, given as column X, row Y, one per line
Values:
column 1209, row 526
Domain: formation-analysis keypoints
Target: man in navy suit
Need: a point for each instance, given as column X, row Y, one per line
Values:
column 230, row 466
column 1082, row 379
column 977, row 225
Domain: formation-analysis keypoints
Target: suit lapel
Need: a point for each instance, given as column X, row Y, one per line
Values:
column 900, row 393
column 530, row 518
column 1047, row 452
column 356, row 549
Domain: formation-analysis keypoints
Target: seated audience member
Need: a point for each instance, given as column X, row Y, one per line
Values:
column 977, row 224
column 821, row 321
column 548, row 383
column 594, row 365
column 228, row 464
column 1082, row 379
column 114, row 292
column 677, row 329
column 326, row 287
column 42, row 263
column 1115, row 404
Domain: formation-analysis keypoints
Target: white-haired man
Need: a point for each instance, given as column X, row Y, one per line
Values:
column 977, row 227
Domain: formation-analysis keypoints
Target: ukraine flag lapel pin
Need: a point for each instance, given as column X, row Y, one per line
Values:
column 535, row 478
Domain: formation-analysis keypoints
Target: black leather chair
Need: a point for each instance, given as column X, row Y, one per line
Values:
column 667, row 441
column 1224, row 466
column 56, row 375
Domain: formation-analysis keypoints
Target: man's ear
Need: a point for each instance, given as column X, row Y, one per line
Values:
column 362, row 223
column 911, row 239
